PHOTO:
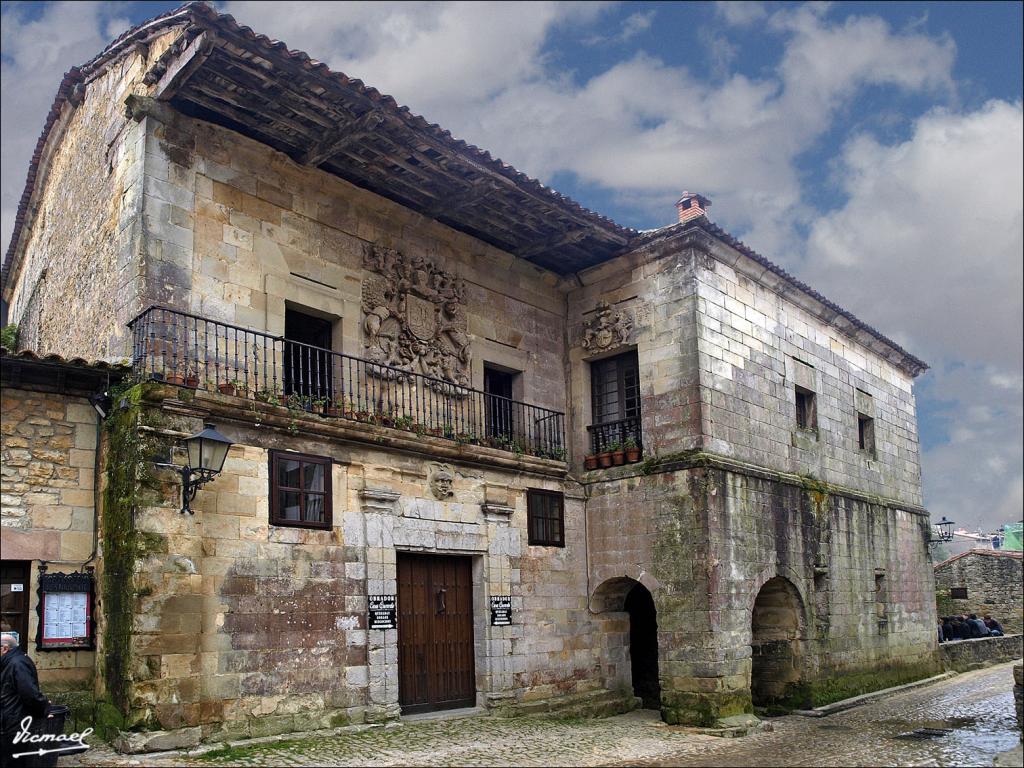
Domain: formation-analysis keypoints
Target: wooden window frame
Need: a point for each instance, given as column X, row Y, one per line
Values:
column 275, row 491
column 625, row 363
column 810, row 410
column 533, row 498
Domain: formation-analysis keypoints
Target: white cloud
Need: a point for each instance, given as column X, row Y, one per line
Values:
column 930, row 239
column 739, row 12
column 36, row 54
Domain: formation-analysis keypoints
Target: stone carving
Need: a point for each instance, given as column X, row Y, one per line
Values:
column 414, row 316
column 441, row 480
column 610, row 328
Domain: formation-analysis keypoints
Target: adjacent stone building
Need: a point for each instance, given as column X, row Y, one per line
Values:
column 983, row 581
column 489, row 448
column 49, row 443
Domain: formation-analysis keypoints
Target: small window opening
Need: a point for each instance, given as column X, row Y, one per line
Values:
column 865, row 433
column 806, row 409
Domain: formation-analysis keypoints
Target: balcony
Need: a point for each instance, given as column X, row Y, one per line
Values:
column 192, row 351
column 615, row 442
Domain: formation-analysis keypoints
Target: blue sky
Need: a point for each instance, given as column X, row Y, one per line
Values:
column 873, row 149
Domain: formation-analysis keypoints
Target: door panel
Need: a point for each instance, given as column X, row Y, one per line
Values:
column 435, row 632
column 14, row 592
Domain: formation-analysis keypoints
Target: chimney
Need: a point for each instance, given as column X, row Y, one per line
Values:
column 691, row 205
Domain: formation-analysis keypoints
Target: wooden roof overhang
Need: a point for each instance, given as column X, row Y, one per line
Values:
column 228, row 75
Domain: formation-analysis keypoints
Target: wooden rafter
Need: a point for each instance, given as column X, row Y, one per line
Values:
column 334, row 143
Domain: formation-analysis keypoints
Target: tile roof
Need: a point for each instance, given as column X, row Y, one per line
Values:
column 984, row 553
column 52, row 358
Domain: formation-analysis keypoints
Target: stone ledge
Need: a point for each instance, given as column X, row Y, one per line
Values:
column 211, row 405
column 703, row 459
column 963, row 655
column 866, row 698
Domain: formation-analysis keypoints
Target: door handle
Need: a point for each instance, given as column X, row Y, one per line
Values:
column 440, row 600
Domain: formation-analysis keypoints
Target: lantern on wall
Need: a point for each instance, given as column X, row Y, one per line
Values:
column 944, row 529
column 206, row 453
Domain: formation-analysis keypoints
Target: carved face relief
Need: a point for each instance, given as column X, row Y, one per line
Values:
column 607, row 329
column 442, row 478
column 414, row 316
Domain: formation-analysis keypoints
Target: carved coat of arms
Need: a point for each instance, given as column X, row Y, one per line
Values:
column 610, row 328
column 414, row 316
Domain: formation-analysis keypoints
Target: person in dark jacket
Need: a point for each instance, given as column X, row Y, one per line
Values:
column 977, row 626
column 993, row 626
column 20, row 696
column 947, row 629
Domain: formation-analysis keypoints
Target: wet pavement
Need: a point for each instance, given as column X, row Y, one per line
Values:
column 964, row 721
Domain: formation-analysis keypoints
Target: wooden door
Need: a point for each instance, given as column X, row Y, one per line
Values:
column 435, row 633
column 14, row 591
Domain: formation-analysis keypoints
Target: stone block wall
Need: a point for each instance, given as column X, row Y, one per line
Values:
column 237, row 232
column 80, row 281
column 706, row 540
column 653, row 289
column 963, row 655
column 47, row 463
column 241, row 628
column 993, row 579
column 756, row 347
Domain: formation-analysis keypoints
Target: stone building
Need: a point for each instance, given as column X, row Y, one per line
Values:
column 983, row 581
column 424, row 360
column 49, row 443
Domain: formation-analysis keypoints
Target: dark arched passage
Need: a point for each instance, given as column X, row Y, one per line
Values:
column 775, row 650
column 643, row 646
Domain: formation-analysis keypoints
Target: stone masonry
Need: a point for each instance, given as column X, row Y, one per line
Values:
column 993, row 579
column 48, row 444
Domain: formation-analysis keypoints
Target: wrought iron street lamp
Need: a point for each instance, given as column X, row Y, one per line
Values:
column 945, row 531
column 206, row 453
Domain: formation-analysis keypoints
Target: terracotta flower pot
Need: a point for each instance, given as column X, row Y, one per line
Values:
column 604, row 460
column 590, row 462
column 632, row 455
column 227, row 388
column 618, row 457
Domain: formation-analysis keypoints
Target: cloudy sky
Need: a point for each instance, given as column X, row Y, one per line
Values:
column 875, row 150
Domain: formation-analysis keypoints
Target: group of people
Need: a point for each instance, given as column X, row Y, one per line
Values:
column 968, row 626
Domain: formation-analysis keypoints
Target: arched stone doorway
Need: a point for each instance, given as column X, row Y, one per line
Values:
column 627, row 596
column 775, row 648
column 643, row 646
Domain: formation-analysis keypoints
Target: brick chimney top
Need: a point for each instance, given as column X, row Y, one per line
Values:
column 691, row 205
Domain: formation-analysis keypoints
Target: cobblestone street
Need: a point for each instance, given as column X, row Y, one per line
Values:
column 976, row 707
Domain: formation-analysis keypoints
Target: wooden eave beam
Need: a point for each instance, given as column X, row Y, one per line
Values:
column 559, row 241
column 335, row 96
column 476, row 193
column 334, row 143
column 182, row 67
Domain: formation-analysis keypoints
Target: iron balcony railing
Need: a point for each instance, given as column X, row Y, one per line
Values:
column 189, row 350
column 612, row 434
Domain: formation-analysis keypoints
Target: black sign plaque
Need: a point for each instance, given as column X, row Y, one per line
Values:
column 501, row 610
column 382, row 612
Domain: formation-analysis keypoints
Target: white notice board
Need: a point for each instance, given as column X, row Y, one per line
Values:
column 66, row 618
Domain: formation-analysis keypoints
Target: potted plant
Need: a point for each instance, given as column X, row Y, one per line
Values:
column 590, row 461
column 331, row 409
column 632, row 450
column 618, row 453
column 187, row 377
column 233, row 388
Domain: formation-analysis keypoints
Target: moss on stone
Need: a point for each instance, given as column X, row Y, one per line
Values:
column 128, row 478
column 837, row 687
column 703, row 709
